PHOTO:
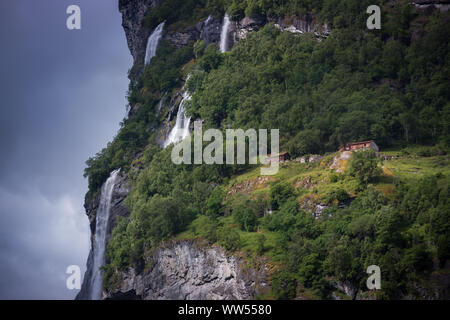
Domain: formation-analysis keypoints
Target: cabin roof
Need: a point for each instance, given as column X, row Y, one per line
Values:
column 359, row 142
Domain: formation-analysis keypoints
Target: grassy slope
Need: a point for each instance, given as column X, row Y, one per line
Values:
column 405, row 167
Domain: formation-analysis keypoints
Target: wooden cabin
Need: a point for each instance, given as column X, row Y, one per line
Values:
column 277, row 157
column 360, row 145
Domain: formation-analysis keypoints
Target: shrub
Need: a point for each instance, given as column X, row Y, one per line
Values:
column 260, row 244
column 364, row 166
column 341, row 195
column 246, row 218
column 229, row 238
column 205, row 227
column 284, row 286
column 214, row 205
column 279, row 193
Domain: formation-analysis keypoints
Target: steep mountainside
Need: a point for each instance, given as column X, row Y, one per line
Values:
column 315, row 72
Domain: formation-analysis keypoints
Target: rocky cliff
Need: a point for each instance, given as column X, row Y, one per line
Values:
column 191, row 270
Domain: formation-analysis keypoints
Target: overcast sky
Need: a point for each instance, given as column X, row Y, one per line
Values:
column 62, row 96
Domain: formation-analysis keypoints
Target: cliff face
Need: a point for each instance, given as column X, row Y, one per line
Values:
column 207, row 30
column 177, row 270
column 190, row 270
column 133, row 14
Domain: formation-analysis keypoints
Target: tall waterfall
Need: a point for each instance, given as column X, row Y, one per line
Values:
column 181, row 128
column 224, row 34
column 101, row 225
column 152, row 43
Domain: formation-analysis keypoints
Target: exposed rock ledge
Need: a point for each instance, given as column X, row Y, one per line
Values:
column 442, row 5
column 190, row 270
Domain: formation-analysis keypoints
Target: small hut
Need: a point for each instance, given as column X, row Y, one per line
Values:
column 277, row 157
column 360, row 145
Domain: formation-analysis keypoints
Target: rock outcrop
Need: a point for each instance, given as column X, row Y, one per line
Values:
column 305, row 24
column 441, row 5
column 133, row 14
column 191, row 270
column 300, row 25
column 207, row 30
column 210, row 30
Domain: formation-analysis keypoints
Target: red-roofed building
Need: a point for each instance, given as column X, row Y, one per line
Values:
column 361, row 145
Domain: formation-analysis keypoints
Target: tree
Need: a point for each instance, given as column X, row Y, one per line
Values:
column 205, row 227
column 406, row 120
column 214, row 204
column 306, row 141
column 279, row 193
column 211, row 58
column 284, row 286
column 246, row 218
column 229, row 238
column 199, row 48
column 260, row 244
column 364, row 166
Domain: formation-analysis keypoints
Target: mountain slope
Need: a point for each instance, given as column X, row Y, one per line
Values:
column 324, row 82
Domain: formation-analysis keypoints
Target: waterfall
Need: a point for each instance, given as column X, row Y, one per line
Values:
column 181, row 128
column 101, row 225
column 208, row 20
column 224, row 34
column 152, row 43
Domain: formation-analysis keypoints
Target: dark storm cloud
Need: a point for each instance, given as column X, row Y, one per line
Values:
column 62, row 97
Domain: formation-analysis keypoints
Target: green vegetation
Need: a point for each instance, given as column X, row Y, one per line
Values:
column 162, row 75
column 364, row 166
column 386, row 85
column 324, row 94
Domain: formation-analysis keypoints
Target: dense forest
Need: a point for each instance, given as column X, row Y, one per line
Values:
column 390, row 85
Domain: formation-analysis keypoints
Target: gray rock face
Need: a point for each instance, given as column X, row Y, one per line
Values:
column 207, row 30
column 210, row 30
column 191, row 271
column 424, row 2
column 347, row 288
column 133, row 13
column 240, row 29
column 182, row 38
column 427, row 5
column 302, row 25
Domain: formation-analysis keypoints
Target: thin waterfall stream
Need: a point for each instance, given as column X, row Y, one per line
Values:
column 101, row 226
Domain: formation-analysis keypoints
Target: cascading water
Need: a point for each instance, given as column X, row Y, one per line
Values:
column 181, row 128
column 152, row 43
column 208, row 20
column 224, row 34
column 101, row 225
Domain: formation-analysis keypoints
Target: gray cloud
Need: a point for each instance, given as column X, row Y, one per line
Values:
column 62, row 98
